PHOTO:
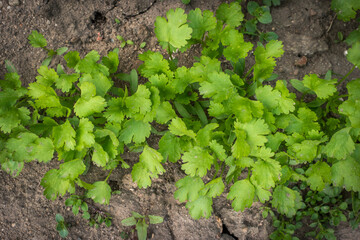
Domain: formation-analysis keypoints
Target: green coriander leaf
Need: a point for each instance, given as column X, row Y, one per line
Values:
column 204, row 135
column 175, row 31
column 242, row 193
column 286, row 200
column 255, row 131
column 241, row 147
column 84, row 134
column 140, row 101
column 141, row 175
column 245, row 109
column 318, row 175
column 197, row 162
column 323, row 88
column 65, row 81
column 264, row 57
column 47, row 76
column 305, row 121
column 100, row 193
column 72, row 169
column 154, row 63
column 236, row 48
column 218, row 86
column 37, row 40
column 188, row 188
column 21, row 146
column 88, row 104
column 169, row 147
column 265, row 173
column 201, row 207
column 346, row 173
column 152, row 160
column 99, row 157
column 165, row 113
column 116, row 110
column 214, row 188
column 275, row 140
column 72, row 58
column 306, row 151
column 111, row 61
column 12, row 81
column 346, row 10
column 64, row 136
column 218, row 149
column 178, row 128
column 55, row 185
column 136, row 131
column 340, row 145
column 274, row 101
column 201, row 22
column 351, row 109
column 262, row 194
column 43, row 150
column 354, row 54
column 230, row 14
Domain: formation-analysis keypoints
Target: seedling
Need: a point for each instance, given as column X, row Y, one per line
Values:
column 37, row 40
column 61, row 226
column 142, row 223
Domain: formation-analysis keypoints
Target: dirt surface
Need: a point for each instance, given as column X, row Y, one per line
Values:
column 308, row 29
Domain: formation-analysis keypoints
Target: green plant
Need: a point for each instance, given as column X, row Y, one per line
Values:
column 185, row 1
column 260, row 14
column 234, row 123
column 61, row 226
column 322, row 211
column 37, row 40
column 141, row 223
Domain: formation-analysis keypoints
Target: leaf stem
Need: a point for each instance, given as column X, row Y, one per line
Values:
column 108, row 175
column 248, row 72
column 344, row 78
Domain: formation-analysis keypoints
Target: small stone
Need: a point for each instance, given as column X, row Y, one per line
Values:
column 312, row 12
column 296, row 72
column 13, row 224
column 301, row 62
column 48, row 22
column 14, row 2
column 1, row 4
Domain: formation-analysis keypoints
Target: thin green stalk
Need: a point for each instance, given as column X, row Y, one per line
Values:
column 248, row 72
column 169, row 52
column 344, row 78
column 108, row 175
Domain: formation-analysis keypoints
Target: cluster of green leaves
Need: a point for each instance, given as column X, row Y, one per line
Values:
column 322, row 211
column 345, row 9
column 234, row 125
column 141, row 223
column 61, row 226
column 260, row 14
column 96, row 218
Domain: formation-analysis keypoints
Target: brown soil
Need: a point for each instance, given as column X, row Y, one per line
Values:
column 307, row 28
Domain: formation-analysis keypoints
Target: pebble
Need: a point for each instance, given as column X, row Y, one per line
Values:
column 13, row 225
column 14, row 2
column 301, row 62
column 1, row 4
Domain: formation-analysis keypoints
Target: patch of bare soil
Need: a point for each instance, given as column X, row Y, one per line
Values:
column 308, row 29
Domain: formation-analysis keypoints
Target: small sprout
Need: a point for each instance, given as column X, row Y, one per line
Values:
column 61, row 226
column 130, row 42
column 143, row 44
column 117, row 21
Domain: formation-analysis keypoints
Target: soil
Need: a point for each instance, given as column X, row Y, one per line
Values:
column 308, row 29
